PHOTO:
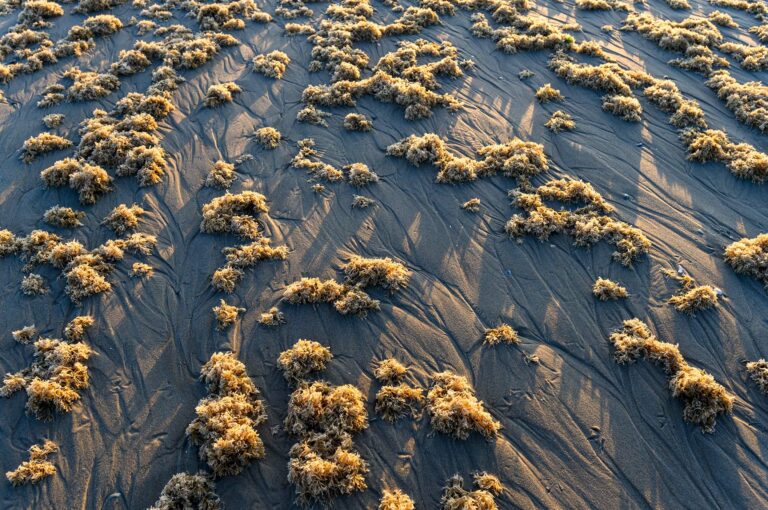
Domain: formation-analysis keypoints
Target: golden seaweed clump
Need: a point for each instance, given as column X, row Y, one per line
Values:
column 749, row 101
column 53, row 120
column 472, row 205
column 226, row 314
column 357, row 122
column 501, row 333
column 515, row 159
column 750, row 257
column 221, row 175
column 722, row 18
column 25, row 334
column 548, row 93
column 358, row 174
column 90, row 181
column 305, row 357
column 323, row 464
column 393, row 401
column 235, row 214
column 220, row 94
column 88, row 85
column 310, row 114
column 123, row 218
column 758, row 372
column 63, row 217
column 34, row 284
column 313, row 290
column 268, row 137
column 608, row 290
column 395, row 500
column 319, row 407
column 625, row 107
column 54, row 379
column 75, row 329
column 225, row 426
column 560, row 121
column 691, row 298
column 185, row 491
column 37, row 467
column 240, row 258
column 704, row 399
column 588, row 224
column 307, row 159
column 362, row 202
column 377, row 272
column 456, row 497
column 41, row 144
column 390, row 371
column 141, row 270
column 454, row 409
column 271, row 65
column 272, row 317
column 488, row 482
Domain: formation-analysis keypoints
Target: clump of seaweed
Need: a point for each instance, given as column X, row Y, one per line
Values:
column 185, row 491
column 704, row 399
column 63, row 217
column 225, row 426
column 37, row 467
column 75, row 329
column 123, row 219
column 55, row 378
column 141, row 270
column 25, row 334
column 749, row 101
column 226, row 314
column 395, row 399
column 456, row 497
column 625, row 107
column 722, row 19
column 501, row 333
column 472, row 205
column 350, row 298
column 271, row 65
column 220, row 94
column 305, row 357
column 587, row 225
column 268, row 137
column 234, row 214
column 272, row 317
column 362, row 202
column 313, row 115
column 454, row 409
column 691, row 298
column 34, row 284
column 758, row 372
column 750, row 257
column 307, row 159
column 243, row 257
column 221, row 175
column 547, row 93
column 88, row 85
column 358, row 174
column 357, row 122
column 395, row 500
column 53, row 120
column 515, row 159
column 742, row 159
column 90, row 181
column 323, row 464
column 560, row 121
column 608, row 290
column 43, row 143
column 376, row 272
column 751, row 58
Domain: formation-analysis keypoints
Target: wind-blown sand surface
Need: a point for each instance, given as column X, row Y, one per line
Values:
column 578, row 429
